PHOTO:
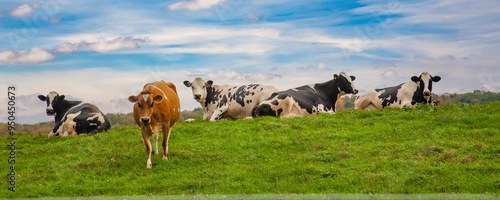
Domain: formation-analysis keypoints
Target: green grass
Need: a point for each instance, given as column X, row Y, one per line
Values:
column 431, row 150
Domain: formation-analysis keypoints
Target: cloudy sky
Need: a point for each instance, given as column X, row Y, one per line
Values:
column 104, row 51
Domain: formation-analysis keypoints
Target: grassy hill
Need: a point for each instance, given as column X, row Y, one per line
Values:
column 446, row 149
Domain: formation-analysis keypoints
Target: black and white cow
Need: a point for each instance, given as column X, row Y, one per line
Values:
column 418, row 90
column 227, row 101
column 74, row 117
column 307, row 99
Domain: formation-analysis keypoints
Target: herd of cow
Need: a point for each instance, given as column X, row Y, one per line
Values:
column 157, row 106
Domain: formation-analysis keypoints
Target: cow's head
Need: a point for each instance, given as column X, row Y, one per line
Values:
column 52, row 100
column 145, row 102
column 345, row 83
column 424, row 82
column 199, row 87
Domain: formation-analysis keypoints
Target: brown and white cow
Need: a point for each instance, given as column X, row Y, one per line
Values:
column 156, row 107
column 228, row 101
column 417, row 90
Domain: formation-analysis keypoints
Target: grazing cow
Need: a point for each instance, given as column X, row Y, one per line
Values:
column 73, row 117
column 418, row 90
column 307, row 99
column 227, row 101
column 156, row 106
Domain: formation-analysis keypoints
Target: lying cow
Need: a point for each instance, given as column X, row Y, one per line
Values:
column 156, row 107
column 307, row 99
column 418, row 90
column 73, row 117
column 227, row 101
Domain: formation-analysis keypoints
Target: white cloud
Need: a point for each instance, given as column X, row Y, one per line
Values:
column 103, row 45
column 320, row 66
column 198, row 34
column 215, row 48
column 194, row 4
column 35, row 55
column 25, row 9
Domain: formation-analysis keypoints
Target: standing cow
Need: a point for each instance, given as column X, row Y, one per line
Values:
column 156, row 107
column 418, row 90
column 307, row 99
column 73, row 117
column 227, row 101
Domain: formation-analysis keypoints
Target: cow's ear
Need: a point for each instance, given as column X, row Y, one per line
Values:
column 61, row 97
column 415, row 79
column 42, row 98
column 353, row 78
column 132, row 99
column 436, row 78
column 209, row 83
column 335, row 76
column 157, row 98
column 187, row 83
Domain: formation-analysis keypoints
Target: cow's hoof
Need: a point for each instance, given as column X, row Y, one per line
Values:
column 149, row 165
column 51, row 134
column 165, row 157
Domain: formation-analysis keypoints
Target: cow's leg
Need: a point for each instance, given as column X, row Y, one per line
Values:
column 286, row 105
column 155, row 137
column 56, row 130
column 218, row 112
column 147, row 143
column 166, row 136
column 362, row 103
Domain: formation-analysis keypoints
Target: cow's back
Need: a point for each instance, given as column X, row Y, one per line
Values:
column 169, row 108
column 253, row 95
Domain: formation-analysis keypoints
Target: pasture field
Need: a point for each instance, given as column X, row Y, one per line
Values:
column 426, row 150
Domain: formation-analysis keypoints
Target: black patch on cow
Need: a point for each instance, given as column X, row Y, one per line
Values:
column 279, row 111
column 390, row 95
column 309, row 97
column 212, row 96
column 222, row 102
column 263, row 110
column 275, row 102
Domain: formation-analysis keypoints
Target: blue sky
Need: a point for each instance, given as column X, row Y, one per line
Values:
column 104, row 51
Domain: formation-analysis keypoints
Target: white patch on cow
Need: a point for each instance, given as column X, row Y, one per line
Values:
column 52, row 95
column 100, row 117
column 348, row 79
column 145, row 97
column 68, row 126
column 163, row 93
column 426, row 78
column 321, row 108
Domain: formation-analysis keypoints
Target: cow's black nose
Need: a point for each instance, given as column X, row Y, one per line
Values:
column 49, row 111
column 355, row 91
column 145, row 120
column 197, row 96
